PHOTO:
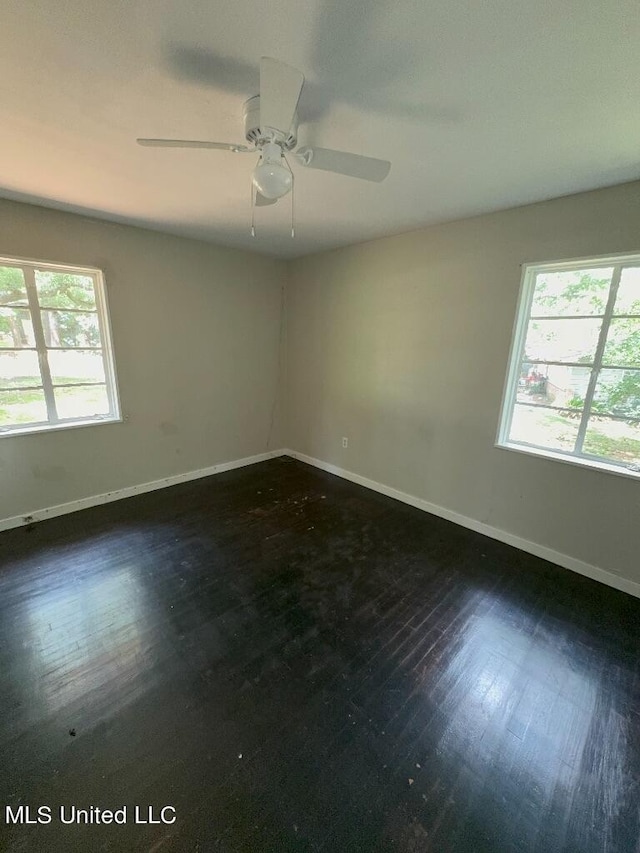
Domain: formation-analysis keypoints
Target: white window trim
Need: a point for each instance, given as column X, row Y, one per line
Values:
column 29, row 265
column 516, row 353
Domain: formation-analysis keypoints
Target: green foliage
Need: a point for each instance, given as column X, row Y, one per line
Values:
column 623, row 449
column 12, row 292
column 21, row 407
column 576, row 402
column 620, row 397
column 28, row 406
column 70, row 320
column 12, row 289
column 11, row 395
column 7, row 383
column 64, row 329
column 65, row 290
column 55, row 291
column 571, row 293
column 583, row 293
column 623, row 343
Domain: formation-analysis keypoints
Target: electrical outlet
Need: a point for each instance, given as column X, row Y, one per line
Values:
column 345, row 441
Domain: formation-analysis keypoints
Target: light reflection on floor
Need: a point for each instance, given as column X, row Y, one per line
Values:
column 533, row 737
column 88, row 639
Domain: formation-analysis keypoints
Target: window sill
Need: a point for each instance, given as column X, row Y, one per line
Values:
column 41, row 428
column 578, row 461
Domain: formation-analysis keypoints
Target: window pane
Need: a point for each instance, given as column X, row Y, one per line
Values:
column 16, row 329
column 618, row 393
column 12, row 287
column 578, row 292
column 81, row 402
column 75, row 366
column 623, row 343
column 553, row 385
column 65, row 290
column 67, row 329
column 544, row 427
column 618, row 441
column 628, row 298
column 19, row 368
column 22, row 407
column 562, row 340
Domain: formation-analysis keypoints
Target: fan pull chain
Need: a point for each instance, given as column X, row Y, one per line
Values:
column 293, row 186
column 253, row 210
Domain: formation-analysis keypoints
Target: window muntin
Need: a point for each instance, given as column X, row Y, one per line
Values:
column 573, row 388
column 56, row 361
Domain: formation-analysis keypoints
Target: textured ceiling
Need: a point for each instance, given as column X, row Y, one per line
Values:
column 479, row 106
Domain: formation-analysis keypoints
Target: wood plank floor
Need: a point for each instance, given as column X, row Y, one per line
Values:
column 295, row 663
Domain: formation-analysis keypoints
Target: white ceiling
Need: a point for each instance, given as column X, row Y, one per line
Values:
column 479, row 106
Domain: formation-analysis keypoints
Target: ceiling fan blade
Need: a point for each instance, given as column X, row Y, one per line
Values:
column 263, row 201
column 192, row 143
column 353, row 165
column 280, row 87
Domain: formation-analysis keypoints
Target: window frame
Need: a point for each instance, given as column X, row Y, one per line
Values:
column 29, row 266
column 516, row 354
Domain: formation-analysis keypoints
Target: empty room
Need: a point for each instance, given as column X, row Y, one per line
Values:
column 320, row 426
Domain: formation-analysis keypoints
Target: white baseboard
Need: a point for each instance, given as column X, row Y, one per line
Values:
column 128, row 491
column 564, row 560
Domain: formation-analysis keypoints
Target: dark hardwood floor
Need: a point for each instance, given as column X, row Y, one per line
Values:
column 295, row 663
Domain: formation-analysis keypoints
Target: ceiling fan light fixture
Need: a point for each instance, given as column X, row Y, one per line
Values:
column 271, row 177
column 271, row 127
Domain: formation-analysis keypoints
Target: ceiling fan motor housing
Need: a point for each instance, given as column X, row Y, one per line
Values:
column 257, row 135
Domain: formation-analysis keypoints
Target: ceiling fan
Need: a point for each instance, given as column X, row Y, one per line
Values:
column 271, row 129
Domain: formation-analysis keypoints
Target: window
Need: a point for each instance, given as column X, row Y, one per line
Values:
column 573, row 388
column 56, row 365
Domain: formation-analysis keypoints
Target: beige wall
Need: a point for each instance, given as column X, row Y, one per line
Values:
column 196, row 337
column 402, row 344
